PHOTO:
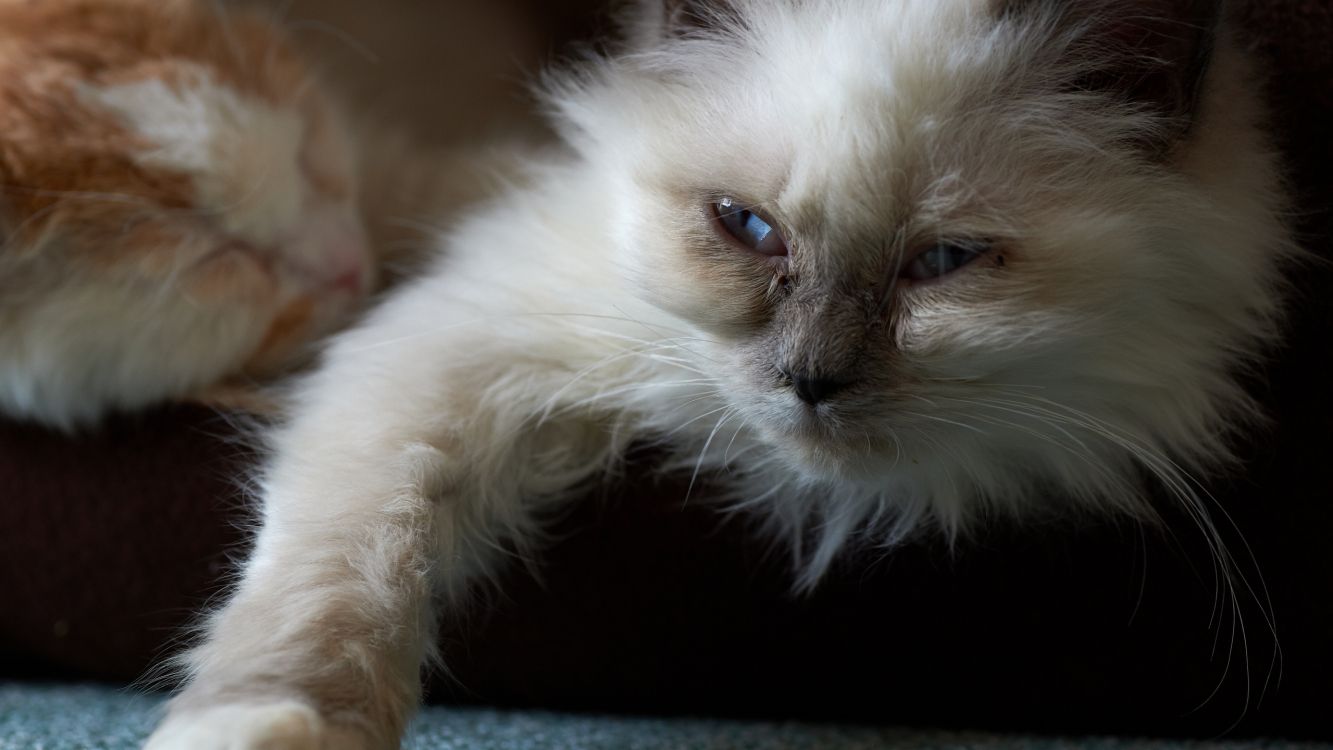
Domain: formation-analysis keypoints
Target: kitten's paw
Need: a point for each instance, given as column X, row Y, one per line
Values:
column 279, row 726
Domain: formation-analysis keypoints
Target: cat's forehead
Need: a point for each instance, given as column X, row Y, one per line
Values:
column 840, row 109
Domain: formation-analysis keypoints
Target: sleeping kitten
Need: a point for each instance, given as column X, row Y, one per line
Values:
column 177, row 204
column 892, row 264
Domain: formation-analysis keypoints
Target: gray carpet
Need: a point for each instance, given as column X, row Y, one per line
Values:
column 91, row 718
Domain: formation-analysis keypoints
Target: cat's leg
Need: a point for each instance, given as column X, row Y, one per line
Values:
column 321, row 643
column 374, row 502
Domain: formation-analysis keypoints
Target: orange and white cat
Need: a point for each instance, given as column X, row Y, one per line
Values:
column 178, row 204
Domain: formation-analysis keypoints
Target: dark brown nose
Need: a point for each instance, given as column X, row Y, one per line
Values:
column 814, row 389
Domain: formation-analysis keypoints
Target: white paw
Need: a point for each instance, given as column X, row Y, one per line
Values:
column 278, row 726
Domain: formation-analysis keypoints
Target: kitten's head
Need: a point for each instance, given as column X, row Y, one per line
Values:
column 174, row 176
column 953, row 249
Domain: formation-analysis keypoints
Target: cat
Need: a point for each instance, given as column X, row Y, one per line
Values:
column 178, row 205
column 880, row 266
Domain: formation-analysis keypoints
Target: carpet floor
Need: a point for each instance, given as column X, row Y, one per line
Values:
column 35, row 717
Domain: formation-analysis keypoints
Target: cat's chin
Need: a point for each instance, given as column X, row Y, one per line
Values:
column 821, row 454
column 834, row 464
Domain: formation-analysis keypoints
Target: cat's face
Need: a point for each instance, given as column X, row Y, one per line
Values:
column 175, row 153
column 930, row 243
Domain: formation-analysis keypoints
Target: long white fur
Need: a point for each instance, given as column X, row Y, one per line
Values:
column 560, row 325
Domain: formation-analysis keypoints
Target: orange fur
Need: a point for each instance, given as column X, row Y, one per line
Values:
column 90, row 198
column 54, row 143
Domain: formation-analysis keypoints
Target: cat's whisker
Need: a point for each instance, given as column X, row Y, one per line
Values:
column 726, row 453
column 605, row 333
column 545, row 410
column 152, row 208
column 897, row 447
column 980, row 381
column 710, row 395
column 17, row 231
column 650, row 387
column 689, row 422
column 657, row 329
column 727, row 414
column 336, row 33
column 1187, row 491
column 88, row 195
column 227, row 27
column 488, row 319
column 271, row 53
column 1084, row 450
column 282, row 11
column 944, row 450
column 243, row 198
column 1084, row 453
column 943, row 420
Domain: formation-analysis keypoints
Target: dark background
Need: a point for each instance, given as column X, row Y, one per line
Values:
column 109, row 541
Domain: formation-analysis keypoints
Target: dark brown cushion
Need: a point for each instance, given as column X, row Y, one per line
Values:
column 108, row 542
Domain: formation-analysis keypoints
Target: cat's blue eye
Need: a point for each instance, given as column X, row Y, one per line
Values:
column 745, row 226
column 943, row 258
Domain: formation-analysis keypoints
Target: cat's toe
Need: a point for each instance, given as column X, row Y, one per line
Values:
column 278, row 726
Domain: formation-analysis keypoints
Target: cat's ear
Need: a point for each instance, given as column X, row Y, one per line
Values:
column 1154, row 53
column 652, row 21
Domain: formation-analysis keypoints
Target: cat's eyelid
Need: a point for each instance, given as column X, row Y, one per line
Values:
column 716, row 202
column 731, row 201
column 976, row 245
column 722, row 208
column 912, row 264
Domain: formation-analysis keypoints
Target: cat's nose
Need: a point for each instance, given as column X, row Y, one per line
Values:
column 815, row 389
column 332, row 249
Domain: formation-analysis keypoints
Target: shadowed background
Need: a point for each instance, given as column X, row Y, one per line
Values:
column 109, row 541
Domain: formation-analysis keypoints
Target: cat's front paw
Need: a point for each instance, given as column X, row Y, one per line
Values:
column 288, row 725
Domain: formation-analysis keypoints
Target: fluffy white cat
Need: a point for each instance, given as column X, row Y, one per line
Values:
column 882, row 265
